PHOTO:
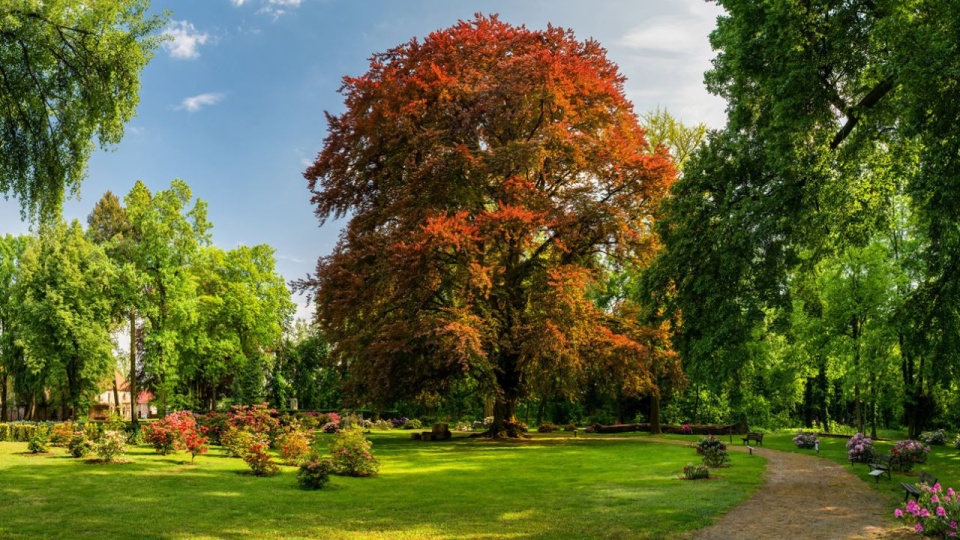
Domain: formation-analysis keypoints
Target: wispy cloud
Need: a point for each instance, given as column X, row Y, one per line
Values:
column 195, row 103
column 273, row 8
column 185, row 40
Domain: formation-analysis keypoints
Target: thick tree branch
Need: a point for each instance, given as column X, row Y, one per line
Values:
column 868, row 101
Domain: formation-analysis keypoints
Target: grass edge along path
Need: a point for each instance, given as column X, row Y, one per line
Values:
column 459, row 489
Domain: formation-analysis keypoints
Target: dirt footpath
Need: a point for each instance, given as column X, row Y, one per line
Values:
column 805, row 497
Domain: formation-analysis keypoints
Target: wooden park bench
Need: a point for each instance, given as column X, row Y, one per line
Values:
column 753, row 437
column 880, row 463
column 913, row 490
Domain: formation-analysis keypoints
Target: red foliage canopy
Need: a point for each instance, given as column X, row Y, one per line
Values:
column 488, row 172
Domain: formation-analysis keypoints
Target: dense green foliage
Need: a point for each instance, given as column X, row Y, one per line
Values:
column 811, row 245
column 69, row 73
column 205, row 323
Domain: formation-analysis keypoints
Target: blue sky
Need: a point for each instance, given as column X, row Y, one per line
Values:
column 234, row 103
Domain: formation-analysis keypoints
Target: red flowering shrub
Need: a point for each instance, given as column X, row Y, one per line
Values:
column 177, row 431
column 255, row 419
column 258, row 458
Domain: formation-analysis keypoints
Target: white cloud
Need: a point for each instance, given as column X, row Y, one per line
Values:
column 195, row 103
column 184, row 40
column 273, row 8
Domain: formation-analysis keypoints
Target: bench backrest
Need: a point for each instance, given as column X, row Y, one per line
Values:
column 927, row 478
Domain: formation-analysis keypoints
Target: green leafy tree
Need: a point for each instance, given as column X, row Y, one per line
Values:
column 69, row 74
column 11, row 354
column 168, row 236
column 242, row 309
column 63, row 316
column 828, row 104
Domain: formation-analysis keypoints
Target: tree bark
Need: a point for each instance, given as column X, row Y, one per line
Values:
column 3, row 397
column 132, row 382
column 655, row 414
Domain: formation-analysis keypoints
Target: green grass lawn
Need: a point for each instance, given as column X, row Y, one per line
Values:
column 464, row 489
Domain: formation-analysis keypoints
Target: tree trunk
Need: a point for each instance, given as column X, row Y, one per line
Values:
column 3, row 397
column 132, row 382
column 696, row 405
column 116, row 397
column 655, row 414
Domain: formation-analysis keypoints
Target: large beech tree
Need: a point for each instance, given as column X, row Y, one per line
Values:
column 488, row 172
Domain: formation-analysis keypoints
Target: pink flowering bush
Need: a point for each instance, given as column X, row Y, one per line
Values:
column 351, row 455
column 686, row 429
column 859, row 448
column 713, row 450
column 935, row 514
column 909, row 452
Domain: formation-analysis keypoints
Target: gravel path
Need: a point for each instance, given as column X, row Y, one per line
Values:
column 805, row 497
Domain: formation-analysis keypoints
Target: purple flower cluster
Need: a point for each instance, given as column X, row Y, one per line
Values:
column 859, row 448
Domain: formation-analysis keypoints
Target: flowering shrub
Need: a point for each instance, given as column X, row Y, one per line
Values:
column 111, row 446
column 293, row 447
column 255, row 419
column 938, row 437
column 569, row 427
column 713, row 450
column 935, row 513
column 383, row 425
column 547, row 427
column 859, row 448
column 39, row 442
column 314, row 473
column 686, row 429
column 235, row 442
column 805, row 440
column 412, row 424
column 162, row 436
column 351, row 453
column 463, row 426
column 331, row 427
column 79, row 445
column 909, row 452
column 258, row 458
column 214, row 425
column 398, row 422
column 60, row 434
column 195, row 442
column 696, row 472
column 177, row 431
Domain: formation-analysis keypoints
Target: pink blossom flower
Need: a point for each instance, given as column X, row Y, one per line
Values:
column 918, row 527
column 924, row 513
column 941, row 512
column 898, row 513
column 934, row 499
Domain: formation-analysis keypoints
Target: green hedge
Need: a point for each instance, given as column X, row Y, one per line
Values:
column 23, row 431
